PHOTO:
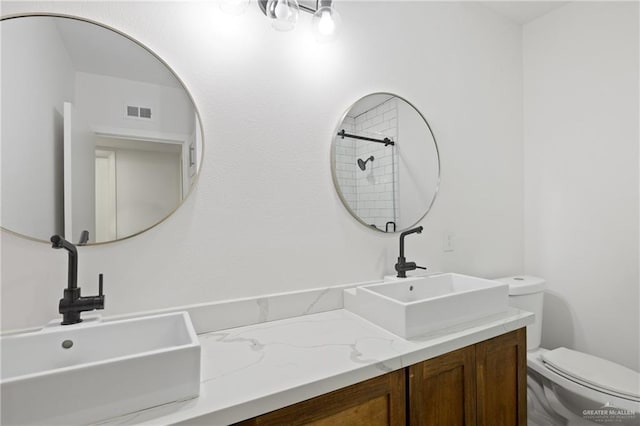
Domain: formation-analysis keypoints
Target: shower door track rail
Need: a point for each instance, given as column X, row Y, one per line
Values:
column 386, row 141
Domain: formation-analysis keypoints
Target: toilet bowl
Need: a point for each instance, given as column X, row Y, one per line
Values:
column 567, row 387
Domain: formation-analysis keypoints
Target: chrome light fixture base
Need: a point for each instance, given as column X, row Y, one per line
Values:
column 301, row 5
column 284, row 14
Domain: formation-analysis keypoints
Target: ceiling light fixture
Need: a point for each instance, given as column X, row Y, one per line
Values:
column 284, row 15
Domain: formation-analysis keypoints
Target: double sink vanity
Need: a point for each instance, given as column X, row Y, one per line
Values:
column 430, row 348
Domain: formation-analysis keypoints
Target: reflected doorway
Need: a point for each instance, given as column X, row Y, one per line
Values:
column 138, row 183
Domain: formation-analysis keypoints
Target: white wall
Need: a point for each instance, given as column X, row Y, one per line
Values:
column 34, row 88
column 581, row 175
column 265, row 216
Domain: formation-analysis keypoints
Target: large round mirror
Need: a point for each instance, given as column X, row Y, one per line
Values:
column 385, row 163
column 100, row 140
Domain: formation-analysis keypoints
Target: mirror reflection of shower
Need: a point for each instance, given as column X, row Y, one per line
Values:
column 396, row 190
column 366, row 160
column 363, row 164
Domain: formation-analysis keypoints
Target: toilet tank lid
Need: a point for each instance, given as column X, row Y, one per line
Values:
column 596, row 372
column 523, row 284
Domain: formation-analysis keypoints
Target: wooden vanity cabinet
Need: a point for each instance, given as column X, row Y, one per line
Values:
column 378, row 401
column 501, row 380
column 442, row 390
column 483, row 384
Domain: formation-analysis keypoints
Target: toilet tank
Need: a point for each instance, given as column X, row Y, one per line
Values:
column 526, row 293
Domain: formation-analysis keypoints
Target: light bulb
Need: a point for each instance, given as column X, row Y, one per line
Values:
column 281, row 10
column 283, row 14
column 326, row 23
column 326, row 26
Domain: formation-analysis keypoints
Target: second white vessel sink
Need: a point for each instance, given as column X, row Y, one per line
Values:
column 83, row 373
column 411, row 307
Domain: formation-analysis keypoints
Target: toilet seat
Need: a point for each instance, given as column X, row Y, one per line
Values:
column 555, row 380
column 593, row 372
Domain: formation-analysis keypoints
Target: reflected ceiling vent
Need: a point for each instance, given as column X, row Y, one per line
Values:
column 138, row 112
column 132, row 111
column 145, row 112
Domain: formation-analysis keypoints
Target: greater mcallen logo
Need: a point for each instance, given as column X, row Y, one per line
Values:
column 608, row 414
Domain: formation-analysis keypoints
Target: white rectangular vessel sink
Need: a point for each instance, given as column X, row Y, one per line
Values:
column 411, row 307
column 83, row 373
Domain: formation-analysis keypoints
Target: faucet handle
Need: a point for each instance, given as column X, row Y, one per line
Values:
column 421, row 267
column 100, row 282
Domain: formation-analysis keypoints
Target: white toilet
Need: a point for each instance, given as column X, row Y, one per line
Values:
column 567, row 387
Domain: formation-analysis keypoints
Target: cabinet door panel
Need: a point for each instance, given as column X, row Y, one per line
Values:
column 502, row 380
column 379, row 401
column 442, row 391
column 374, row 412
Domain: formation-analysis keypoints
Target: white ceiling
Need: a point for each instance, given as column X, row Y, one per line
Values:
column 522, row 12
column 96, row 50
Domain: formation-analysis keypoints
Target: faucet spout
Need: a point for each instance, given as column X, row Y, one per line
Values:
column 416, row 230
column 403, row 266
column 72, row 303
column 57, row 242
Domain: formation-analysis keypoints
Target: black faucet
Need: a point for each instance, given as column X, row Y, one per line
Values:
column 84, row 238
column 72, row 303
column 403, row 266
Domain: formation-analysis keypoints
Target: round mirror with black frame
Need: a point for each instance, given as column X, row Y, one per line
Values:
column 100, row 139
column 385, row 163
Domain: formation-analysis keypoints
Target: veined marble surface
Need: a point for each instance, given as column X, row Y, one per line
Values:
column 251, row 370
column 221, row 315
column 215, row 316
column 225, row 314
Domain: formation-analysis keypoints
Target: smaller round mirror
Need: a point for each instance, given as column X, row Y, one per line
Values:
column 385, row 163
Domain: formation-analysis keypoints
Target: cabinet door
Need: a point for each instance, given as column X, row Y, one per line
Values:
column 442, row 391
column 379, row 401
column 502, row 380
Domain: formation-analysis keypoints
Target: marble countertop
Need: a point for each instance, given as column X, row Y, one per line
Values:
column 251, row 370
